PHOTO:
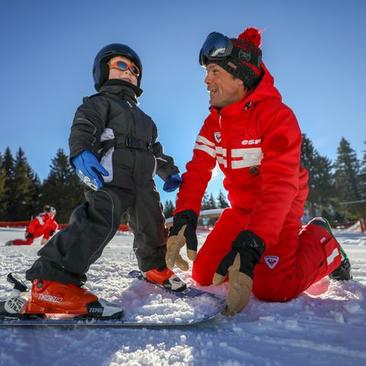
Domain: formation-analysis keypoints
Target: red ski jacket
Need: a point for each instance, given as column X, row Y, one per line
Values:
column 256, row 143
column 43, row 224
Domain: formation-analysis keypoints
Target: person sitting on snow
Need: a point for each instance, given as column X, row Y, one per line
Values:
column 258, row 243
column 42, row 225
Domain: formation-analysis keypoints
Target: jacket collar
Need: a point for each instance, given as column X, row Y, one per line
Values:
column 264, row 90
column 121, row 88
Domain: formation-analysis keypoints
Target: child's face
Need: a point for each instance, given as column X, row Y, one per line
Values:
column 129, row 73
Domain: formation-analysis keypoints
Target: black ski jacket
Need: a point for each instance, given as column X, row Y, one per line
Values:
column 121, row 135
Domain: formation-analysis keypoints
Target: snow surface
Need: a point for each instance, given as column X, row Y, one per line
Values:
column 324, row 326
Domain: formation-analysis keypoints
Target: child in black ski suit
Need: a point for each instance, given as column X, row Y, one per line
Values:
column 114, row 149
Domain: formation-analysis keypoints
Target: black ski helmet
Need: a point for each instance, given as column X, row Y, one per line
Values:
column 100, row 67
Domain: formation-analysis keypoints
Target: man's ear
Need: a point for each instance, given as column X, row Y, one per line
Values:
column 241, row 82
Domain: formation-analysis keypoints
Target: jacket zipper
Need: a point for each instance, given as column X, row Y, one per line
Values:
column 228, row 147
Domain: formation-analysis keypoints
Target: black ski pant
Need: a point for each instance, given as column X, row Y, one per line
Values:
column 68, row 254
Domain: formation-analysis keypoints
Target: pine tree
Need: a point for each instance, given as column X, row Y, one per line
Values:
column 308, row 156
column 211, row 202
column 8, row 165
column 8, row 162
column 25, row 190
column 205, row 205
column 320, row 178
column 222, row 202
column 2, row 189
column 363, row 175
column 62, row 188
column 347, row 180
column 362, row 178
column 324, row 185
column 168, row 209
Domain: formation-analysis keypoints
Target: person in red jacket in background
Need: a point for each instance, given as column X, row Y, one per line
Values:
column 43, row 224
column 258, row 243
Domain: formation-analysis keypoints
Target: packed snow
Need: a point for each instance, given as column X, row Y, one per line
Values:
column 324, row 326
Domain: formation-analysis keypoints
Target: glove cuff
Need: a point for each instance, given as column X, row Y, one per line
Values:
column 251, row 247
column 187, row 217
column 248, row 240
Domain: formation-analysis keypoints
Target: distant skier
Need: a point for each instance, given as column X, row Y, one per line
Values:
column 114, row 149
column 43, row 224
column 258, row 243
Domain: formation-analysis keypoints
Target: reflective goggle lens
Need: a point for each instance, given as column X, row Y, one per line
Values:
column 123, row 66
column 216, row 47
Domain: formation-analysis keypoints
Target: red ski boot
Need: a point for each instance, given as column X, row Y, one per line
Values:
column 343, row 272
column 166, row 278
column 50, row 297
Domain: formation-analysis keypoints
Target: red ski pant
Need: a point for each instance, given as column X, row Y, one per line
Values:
column 23, row 242
column 286, row 269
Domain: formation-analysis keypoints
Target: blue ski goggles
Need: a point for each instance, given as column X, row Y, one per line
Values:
column 216, row 47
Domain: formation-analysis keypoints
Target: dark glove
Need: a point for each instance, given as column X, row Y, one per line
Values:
column 172, row 183
column 182, row 232
column 239, row 265
column 29, row 236
column 89, row 170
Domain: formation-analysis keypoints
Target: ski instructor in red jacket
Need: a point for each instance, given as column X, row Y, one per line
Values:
column 258, row 244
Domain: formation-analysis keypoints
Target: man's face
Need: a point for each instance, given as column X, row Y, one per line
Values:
column 126, row 75
column 224, row 89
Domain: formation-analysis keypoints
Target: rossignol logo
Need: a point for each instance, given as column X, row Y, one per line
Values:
column 244, row 55
column 217, row 136
column 251, row 142
column 14, row 305
column 271, row 260
column 50, row 298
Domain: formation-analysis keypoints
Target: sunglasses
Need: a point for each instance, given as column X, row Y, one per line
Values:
column 123, row 66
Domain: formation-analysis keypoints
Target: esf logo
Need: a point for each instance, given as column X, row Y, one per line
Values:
column 251, row 142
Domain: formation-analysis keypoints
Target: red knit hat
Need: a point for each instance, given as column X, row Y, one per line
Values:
column 249, row 58
column 240, row 56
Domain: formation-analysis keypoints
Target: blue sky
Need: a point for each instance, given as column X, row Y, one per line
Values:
column 315, row 50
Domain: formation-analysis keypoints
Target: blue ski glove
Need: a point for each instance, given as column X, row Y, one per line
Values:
column 89, row 170
column 172, row 183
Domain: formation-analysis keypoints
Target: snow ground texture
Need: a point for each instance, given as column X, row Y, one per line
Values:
column 324, row 326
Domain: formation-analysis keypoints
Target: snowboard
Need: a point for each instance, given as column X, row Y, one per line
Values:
column 216, row 305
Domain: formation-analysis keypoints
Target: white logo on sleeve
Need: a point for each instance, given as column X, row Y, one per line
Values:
column 271, row 260
column 217, row 136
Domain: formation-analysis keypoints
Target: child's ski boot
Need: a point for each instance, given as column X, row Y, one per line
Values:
column 58, row 299
column 166, row 278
